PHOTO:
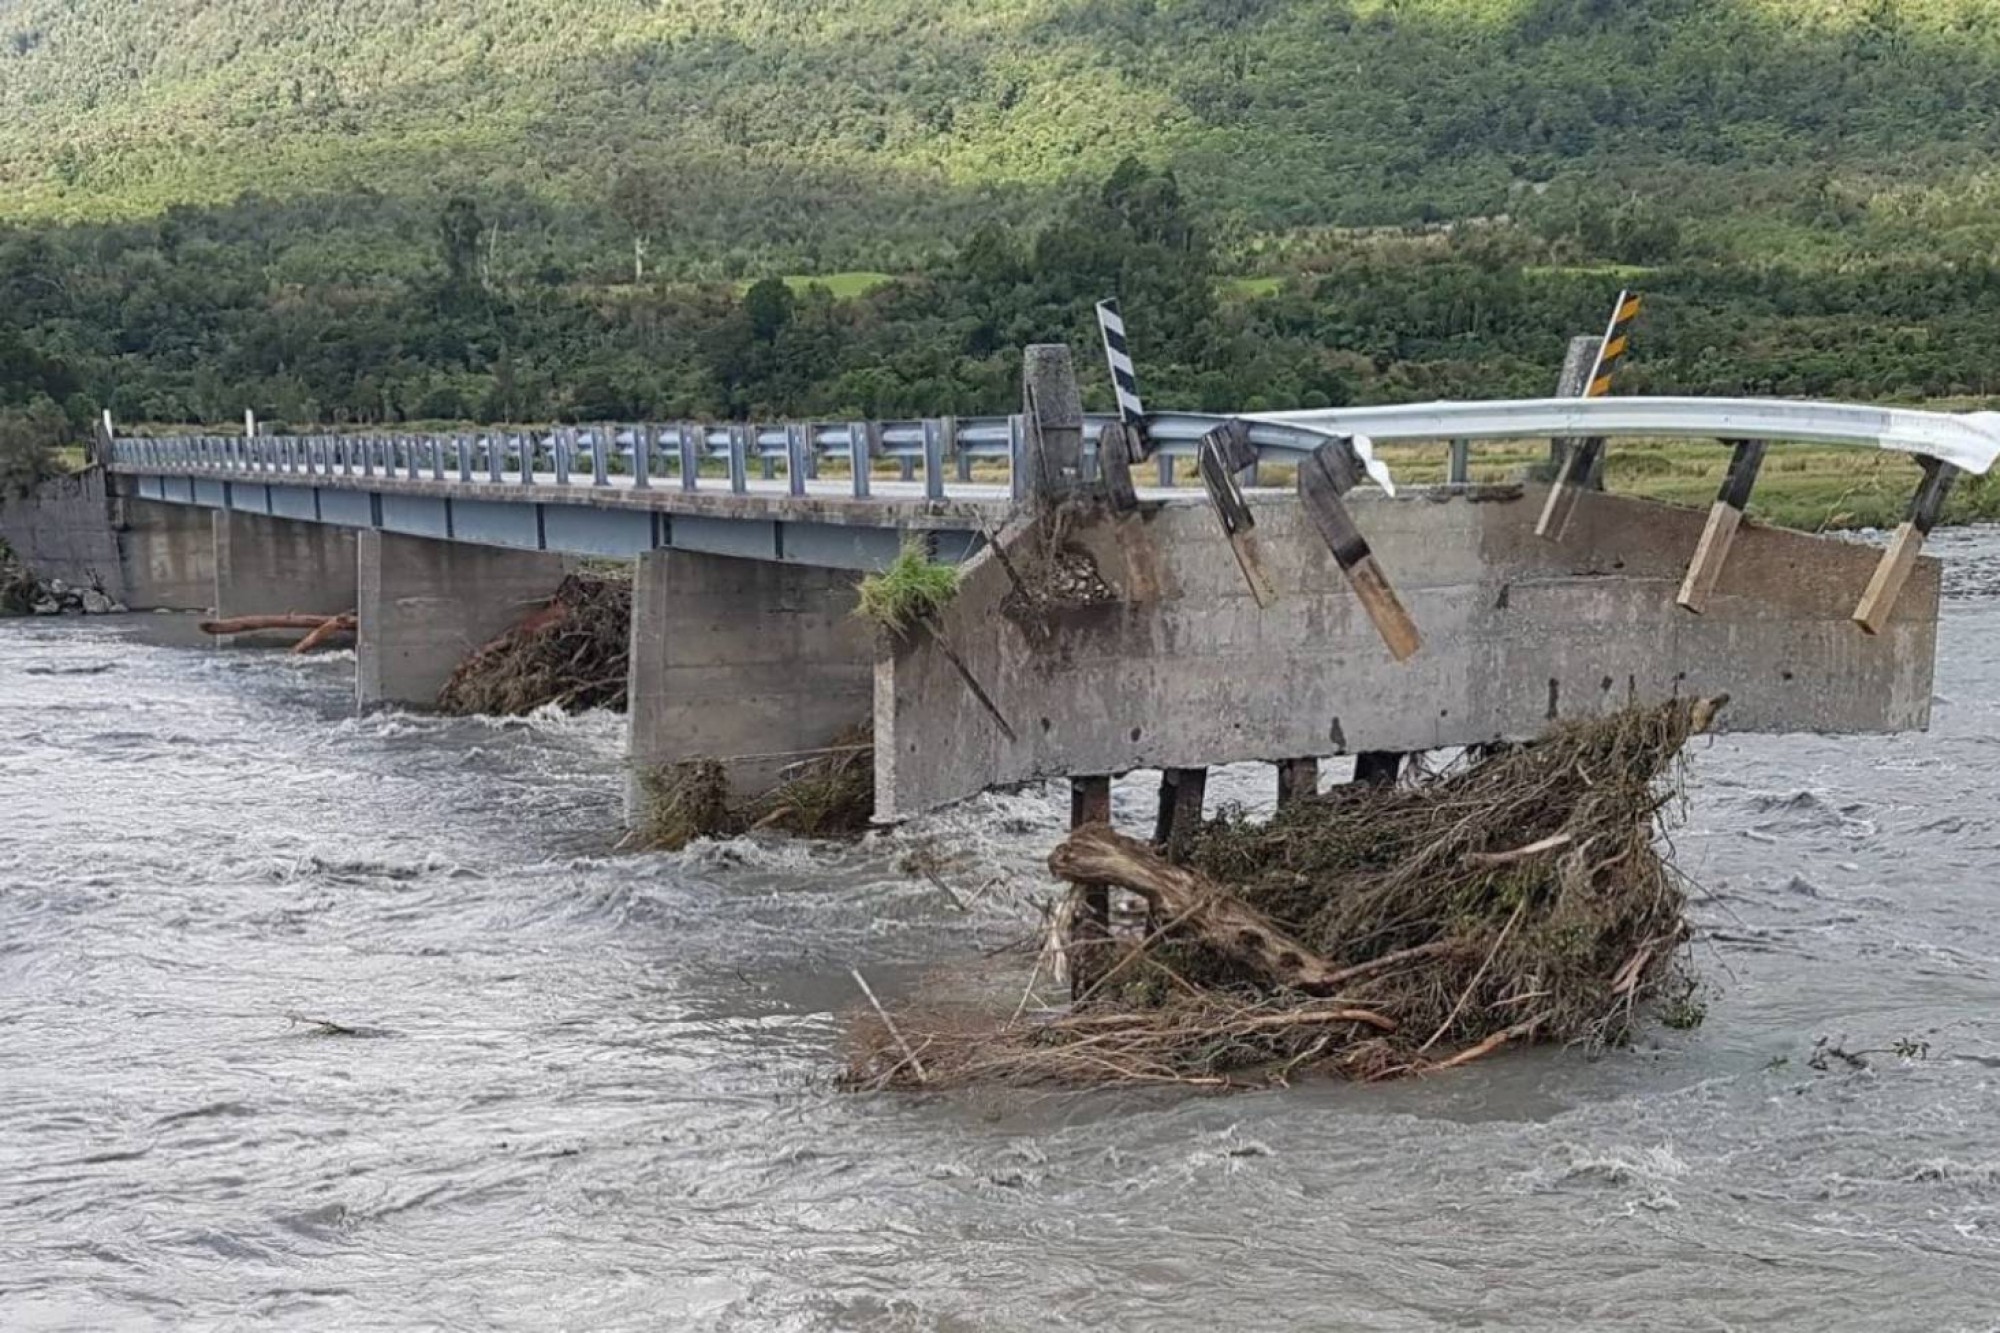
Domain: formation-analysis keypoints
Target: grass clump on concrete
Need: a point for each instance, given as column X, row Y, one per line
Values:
column 1517, row 897
column 909, row 592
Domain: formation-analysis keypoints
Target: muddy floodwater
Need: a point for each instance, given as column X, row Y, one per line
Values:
column 583, row 1091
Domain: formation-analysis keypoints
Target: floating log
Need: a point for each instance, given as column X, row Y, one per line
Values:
column 253, row 624
column 334, row 627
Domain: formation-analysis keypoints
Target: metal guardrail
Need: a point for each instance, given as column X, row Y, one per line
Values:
column 1968, row 441
column 942, row 450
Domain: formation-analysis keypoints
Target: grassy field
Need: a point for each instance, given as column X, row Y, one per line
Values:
column 1812, row 488
column 843, row 286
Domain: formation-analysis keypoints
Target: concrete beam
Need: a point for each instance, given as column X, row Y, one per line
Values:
column 281, row 566
column 1188, row 672
column 748, row 662
column 424, row 605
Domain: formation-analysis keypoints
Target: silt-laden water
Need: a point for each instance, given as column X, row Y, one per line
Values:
column 587, row 1091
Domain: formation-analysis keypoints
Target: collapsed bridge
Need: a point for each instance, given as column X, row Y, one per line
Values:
column 1289, row 608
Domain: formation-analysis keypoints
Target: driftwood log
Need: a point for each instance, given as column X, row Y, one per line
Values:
column 319, row 629
column 335, row 625
column 1096, row 855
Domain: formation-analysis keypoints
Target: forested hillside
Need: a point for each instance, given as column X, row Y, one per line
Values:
column 848, row 133
column 387, row 209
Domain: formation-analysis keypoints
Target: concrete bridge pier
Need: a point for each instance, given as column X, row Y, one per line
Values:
column 424, row 605
column 281, row 566
column 752, row 663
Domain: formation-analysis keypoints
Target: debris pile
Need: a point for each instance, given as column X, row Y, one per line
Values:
column 574, row 651
column 829, row 793
column 1519, row 896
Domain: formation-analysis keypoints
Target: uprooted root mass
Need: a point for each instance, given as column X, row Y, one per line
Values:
column 1372, row 931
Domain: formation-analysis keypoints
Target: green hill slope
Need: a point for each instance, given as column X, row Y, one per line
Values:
column 389, row 210
column 850, row 134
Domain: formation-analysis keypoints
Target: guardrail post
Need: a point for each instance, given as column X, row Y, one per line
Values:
column 684, row 438
column 948, row 430
column 861, row 456
column 1325, row 475
column 644, row 435
column 1886, row 585
column 600, row 455
column 933, row 460
column 1458, row 471
column 1724, row 517
column 798, row 444
column 741, row 439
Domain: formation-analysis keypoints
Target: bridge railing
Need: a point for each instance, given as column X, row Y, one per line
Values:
column 937, row 453
column 935, row 456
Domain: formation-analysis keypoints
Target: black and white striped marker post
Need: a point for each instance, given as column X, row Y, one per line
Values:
column 1894, row 571
column 1724, row 517
column 1119, row 448
column 1124, row 376
column 1581, row 458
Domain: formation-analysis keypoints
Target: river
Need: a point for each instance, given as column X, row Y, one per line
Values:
column 592, row 1091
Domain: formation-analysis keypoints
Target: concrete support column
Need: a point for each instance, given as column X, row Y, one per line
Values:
column 280, row 566
column 752, row 663
column 424, row 605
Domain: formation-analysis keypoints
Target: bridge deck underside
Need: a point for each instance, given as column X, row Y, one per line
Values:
column 825, row 526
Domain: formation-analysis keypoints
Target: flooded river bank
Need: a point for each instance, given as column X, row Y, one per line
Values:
column 578, row 1090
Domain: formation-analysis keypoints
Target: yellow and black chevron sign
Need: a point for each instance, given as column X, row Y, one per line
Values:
column 1617, row 341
